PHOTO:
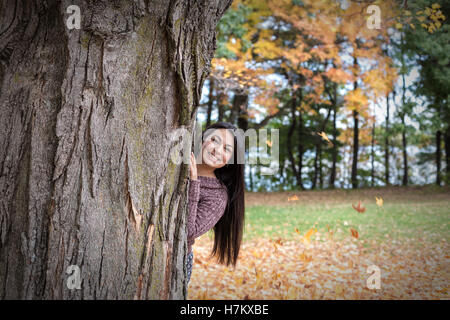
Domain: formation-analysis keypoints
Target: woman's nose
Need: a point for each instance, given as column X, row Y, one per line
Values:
column 217, row 153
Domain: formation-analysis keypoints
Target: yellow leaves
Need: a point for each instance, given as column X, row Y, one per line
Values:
column 239, row 281
column 338, row 75
column 339, row 290
column 259, row 278
column 325, row 137
column 296, row 55
column 431, row 18
column 304, row 107
column 305, row 257
column 329, row 270
column 293, row 293
column 306, row 239
column 267, row 49
column 379, row 201
column 356, row 99
column 379, row 80
column 256, row 254
column 293, row 198
column 268, row 100
column 435, row 6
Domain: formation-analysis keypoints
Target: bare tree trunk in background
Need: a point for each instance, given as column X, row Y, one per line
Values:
column 447, row 154
column 290, row 135
column 404, row 141
column 240, row 101
column 402, row 117
column 86, row 122
column 386, row 143
column 354, row 177
column 372, row 155
column 220, row 106
column 210, row 102
column 300, row 149
column 320, row 169
column 334, row 151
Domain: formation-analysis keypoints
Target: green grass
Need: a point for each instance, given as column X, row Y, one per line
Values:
column 397, row 220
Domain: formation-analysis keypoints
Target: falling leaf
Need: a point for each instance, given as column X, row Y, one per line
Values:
column 269, row 143
column 307, row 237
column 354, row 233
column 359, row 207
column 325, row 137
column 379, row 201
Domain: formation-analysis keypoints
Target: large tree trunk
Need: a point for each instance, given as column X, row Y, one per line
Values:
column 87, row 120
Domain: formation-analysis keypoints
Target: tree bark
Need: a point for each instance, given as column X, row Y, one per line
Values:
column 87, row 120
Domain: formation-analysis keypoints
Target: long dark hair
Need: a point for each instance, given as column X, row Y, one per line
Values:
column 229, row 229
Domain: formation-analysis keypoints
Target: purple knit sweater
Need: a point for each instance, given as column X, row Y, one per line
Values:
column 208, row 198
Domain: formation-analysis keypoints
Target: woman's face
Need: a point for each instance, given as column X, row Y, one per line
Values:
column 218, row 148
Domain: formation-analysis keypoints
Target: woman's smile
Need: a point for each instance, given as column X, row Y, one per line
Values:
column 212, row 157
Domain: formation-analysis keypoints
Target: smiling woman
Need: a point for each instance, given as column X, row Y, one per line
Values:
column 216, row 195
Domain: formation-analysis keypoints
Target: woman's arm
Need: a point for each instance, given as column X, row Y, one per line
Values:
column 204, row 215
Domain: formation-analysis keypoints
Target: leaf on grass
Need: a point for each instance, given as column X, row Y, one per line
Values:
column 354, row 233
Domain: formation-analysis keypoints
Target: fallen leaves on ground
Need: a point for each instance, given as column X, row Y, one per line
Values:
column 323, row 269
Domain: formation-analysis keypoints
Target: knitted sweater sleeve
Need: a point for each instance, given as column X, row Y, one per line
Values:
column 204, row 214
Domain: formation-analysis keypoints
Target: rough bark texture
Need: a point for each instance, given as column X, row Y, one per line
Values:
column 87, row 120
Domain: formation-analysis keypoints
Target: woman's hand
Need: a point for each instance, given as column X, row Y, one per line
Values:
column 193, row 167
